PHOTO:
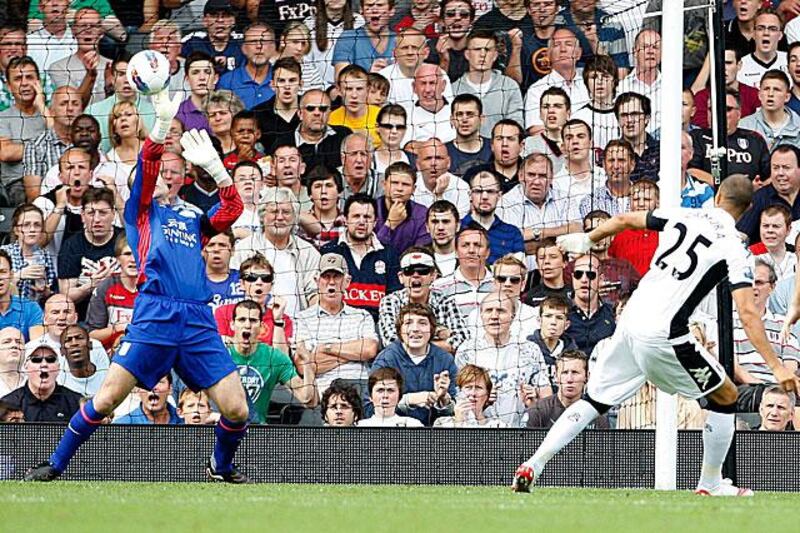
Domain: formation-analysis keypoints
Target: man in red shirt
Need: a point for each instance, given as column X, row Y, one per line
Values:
column 638, row 245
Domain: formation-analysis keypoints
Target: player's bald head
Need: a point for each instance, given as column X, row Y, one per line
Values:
column 736, row 191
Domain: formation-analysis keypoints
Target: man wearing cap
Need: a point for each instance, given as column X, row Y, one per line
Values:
column 340, row 339
column 41, row 399
column 373, row 268
column 60, row 314
column 417, row 273
column 218, row 19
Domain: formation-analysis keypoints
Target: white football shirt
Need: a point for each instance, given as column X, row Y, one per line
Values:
column 697, row 249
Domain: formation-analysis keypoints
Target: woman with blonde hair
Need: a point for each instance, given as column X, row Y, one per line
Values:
column 127, row 132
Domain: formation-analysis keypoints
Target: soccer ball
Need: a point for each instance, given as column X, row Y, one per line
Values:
column 148, row 72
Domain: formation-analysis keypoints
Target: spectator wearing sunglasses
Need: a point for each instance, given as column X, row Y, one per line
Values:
column 590, row 319
column 619, row 275
column 510, row 276
column 319, row 143
column 41, row 399
column 257, row 277
column 391, row 129
column 448, row 50
column 417, row 274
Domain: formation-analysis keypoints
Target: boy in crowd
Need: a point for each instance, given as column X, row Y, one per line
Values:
column 245, row 133
column 551, row 337
column 385, row 386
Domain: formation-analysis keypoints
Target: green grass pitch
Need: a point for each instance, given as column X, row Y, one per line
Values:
column 169, row 507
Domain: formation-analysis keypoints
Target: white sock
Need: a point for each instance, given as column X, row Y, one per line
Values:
column 577, row 416
column 717, row 437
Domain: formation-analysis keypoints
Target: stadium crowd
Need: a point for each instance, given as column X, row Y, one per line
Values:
column 405, row 169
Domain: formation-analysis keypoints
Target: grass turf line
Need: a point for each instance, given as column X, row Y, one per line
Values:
column 169, row 507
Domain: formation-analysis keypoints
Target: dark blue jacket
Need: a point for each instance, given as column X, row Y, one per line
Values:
column 587, row 332
column 376, row 278
column 416, row 378
column 503, row 238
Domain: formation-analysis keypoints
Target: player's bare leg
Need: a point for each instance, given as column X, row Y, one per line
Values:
column 229, row 396
column 115, row 388
column 717, row 436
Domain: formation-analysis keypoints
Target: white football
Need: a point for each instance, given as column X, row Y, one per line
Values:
column 148, row 72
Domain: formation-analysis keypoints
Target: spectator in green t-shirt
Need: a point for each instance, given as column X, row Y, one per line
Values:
column 261, row 366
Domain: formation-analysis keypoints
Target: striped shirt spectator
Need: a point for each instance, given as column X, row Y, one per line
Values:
column 748, row 358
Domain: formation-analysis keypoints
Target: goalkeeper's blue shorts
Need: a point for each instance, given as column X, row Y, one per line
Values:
column 166, row 334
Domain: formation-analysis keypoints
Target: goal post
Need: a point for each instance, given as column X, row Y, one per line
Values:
column 670, row 185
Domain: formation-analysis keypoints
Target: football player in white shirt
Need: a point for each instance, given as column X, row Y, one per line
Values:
column 698, row 249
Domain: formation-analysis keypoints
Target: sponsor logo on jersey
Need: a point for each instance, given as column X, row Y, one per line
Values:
column 177, row 232
column 540, row 61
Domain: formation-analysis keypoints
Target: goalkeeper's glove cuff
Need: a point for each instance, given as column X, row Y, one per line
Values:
column 218, row 173
column 160, row 131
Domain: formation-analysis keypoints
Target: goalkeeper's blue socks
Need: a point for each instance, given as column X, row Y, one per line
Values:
column 229, row 435
column 81, row 427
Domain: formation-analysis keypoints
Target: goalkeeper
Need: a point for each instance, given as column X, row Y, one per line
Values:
column 172, row 325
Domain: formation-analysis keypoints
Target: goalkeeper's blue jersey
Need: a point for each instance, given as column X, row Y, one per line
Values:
column 166, row 241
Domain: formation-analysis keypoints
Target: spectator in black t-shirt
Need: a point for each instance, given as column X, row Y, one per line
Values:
column 447, row 50
column 469, row 148
column 319, row 143
column 87, row 258
column 279, row 115
column 551, row 262
column 505, row 16
column 748, row 153
column 41, row 399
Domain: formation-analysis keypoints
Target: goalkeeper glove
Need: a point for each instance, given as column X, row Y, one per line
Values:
column 166, row 108
column 575, row 243
column 198, row 150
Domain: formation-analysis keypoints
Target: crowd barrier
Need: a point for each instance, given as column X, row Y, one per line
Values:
column 275, row 454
